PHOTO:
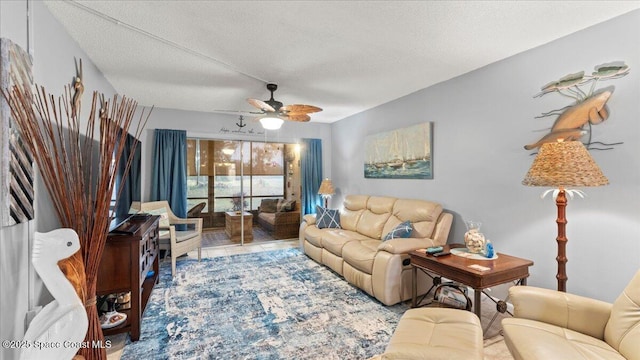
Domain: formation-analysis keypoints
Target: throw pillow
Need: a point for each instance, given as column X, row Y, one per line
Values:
column 285, row 205
column 269, row 205
column 327, row 218
column 402, row 230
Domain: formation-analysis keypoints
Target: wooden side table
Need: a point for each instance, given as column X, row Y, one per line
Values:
column 232, row 225
column 502, row 270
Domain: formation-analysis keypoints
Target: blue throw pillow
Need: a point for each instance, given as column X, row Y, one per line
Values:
column 403, row 230
column 327, row 218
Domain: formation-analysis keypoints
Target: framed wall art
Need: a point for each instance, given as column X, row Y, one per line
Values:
column 404, row 153
column 16, row 162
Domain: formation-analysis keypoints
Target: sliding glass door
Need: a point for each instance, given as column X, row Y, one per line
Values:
column 233, row 176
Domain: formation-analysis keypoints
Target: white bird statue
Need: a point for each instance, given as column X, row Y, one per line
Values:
column 58, row 330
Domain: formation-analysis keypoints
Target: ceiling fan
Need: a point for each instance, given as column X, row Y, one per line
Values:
column 273, row 112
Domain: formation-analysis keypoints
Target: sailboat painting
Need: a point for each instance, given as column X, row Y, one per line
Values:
column 400, row 154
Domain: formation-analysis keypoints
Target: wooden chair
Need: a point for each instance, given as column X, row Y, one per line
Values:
column 176, row 242
column 196, row 211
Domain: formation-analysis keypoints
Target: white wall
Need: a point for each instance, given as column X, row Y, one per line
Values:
column 482, row 119
column 53, row 54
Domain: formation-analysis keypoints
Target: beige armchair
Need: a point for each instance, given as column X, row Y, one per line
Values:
column 552, row 325
column 176, row 242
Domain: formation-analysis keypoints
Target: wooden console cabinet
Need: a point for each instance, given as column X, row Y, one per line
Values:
column 130, row 263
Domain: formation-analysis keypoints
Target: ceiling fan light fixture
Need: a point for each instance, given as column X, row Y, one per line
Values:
column 271, row 123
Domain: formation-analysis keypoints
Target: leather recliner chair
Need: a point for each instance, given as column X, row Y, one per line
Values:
column 551, row 325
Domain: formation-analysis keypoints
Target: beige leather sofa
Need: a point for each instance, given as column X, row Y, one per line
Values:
column 555, row 325
column 356, row 251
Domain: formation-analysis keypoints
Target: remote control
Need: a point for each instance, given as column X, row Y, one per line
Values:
column 434, row 249
column 443, row 253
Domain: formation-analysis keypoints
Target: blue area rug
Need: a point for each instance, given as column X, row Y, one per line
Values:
column 267, row 305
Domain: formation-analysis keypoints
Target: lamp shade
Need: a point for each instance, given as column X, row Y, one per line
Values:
column 271, row 123
column 326, row 188
column 564, row 163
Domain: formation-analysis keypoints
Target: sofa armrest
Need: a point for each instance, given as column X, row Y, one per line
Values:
column 310, row 219
column 404, row 245
column 193, row 221
column 570, row 311
column 443, row 227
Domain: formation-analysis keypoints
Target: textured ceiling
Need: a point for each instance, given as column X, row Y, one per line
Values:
column 343, row 56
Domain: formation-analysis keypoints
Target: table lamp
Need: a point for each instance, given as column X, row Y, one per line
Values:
column 326, row 190
column 563, row 164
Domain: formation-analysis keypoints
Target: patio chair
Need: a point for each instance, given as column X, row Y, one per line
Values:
column 175, row 242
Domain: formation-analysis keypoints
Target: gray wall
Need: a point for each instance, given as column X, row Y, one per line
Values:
column 53, row 54
column 482, row 119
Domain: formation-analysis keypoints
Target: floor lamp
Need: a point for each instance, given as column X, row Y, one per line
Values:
column 326, row 190
column 560, row 165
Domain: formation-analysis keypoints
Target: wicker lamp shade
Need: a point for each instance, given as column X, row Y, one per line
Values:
column 326, row 188
column 564, row 163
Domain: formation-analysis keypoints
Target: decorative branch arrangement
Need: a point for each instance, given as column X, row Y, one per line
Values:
column 589, row 108
column 79, row 183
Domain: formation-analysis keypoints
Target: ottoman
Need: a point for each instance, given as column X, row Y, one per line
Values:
column 436, row 333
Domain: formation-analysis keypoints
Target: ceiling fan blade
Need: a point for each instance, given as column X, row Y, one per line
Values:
column 261, row 105
column 300, row 109
column 297, row 117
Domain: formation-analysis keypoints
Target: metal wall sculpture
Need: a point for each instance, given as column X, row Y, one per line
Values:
column 574, row 122
column 16, row 169
column 400, row 154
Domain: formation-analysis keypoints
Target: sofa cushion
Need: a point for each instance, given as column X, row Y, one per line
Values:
column 269, row 205
column 360, row 254
column 333, row 240
column 371, row 224
column 524, row 336
column 314, row 235
column 285, row 205
column 380, row 204
column 268, row 217
column 327, row 218
column 402, row 230
column 353, row 207
column 423, row 215
column 349, row 218
column 355, row 202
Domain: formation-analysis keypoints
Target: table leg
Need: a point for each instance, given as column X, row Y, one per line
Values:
column 477, row 297
column 414, row 286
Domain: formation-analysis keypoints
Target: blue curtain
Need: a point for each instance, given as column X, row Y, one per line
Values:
column 311, row 164
column 131, row 184
column 169, row 174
